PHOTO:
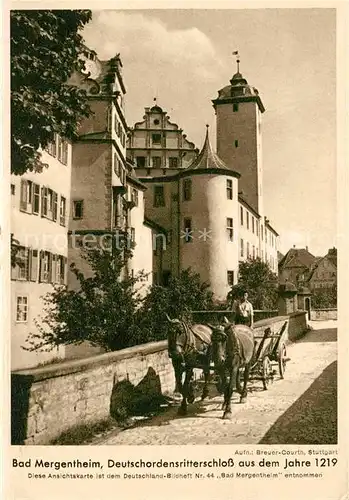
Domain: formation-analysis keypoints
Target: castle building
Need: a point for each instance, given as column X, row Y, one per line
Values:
column 107, row 198
column 198, row 206
column 148, row 187
column 212, row 208
column 156, row 145
column 87, row 196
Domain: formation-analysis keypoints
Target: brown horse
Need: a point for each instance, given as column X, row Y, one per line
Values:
column 189, row 347
column 232, row 350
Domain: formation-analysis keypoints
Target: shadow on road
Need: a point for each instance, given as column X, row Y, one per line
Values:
column 323, row 335
column 312, row 419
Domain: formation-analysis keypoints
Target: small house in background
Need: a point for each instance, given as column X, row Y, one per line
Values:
column 324, row 272
column 296, row 266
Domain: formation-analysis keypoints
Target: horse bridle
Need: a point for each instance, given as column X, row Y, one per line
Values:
column 189, row 339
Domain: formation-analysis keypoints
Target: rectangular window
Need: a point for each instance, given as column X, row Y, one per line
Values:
column 109, row 118
column 13, row 189
column 156, row 138
column 36, row 199
column 187, row 184
column 230, row 229
column 230, row 278
column 51, row 148
column 166, row 278
column 242, row 247
column 45, row 267
column 229, row 189
column 159, row 196
column 235, row 107
column 247, row 249
column 26, row 198
column 140, row 160
column 62, row 147
column 78, row 209
column 173, row 162
column 262, row 231
column 257, row 227
column 62, row 211
column 253, row 252
column 44, row 197
column 117, row 209
column 49, row 203
column 116, row 165
column 236, row 143
column 252, row 224
column 34, row 265
column 22, row 309
column 133, row 235
column 266, row 235
column 187, row 228
column 134, row 197
column 241, row 216
column 61, row 266
column 122, row 174
column 247, row 220
column 156, row 161
column 22, row 261
column 54, row 205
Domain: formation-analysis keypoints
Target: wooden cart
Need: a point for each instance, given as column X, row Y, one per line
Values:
column 270, row 351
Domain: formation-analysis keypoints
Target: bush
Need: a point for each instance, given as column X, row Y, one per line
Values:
column 256, row 278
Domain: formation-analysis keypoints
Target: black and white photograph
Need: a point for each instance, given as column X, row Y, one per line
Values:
column 173, row 227
column 176, row 225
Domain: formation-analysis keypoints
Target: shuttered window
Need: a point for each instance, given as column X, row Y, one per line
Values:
column 34, row 265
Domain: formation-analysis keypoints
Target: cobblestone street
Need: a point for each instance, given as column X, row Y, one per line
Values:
column 301, row 409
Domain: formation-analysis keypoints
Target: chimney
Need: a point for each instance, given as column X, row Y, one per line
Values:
column 294, row 246
column 306, row 248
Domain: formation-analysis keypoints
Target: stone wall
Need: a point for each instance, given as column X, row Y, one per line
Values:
column 297, row 325
column 218, row 316
column 323, row 314
column 49, row 400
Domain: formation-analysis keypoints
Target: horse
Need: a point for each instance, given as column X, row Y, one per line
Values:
column 189, row 347
column 232, row 350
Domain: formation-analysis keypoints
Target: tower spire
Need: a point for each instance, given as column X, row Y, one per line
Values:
column 236, row 53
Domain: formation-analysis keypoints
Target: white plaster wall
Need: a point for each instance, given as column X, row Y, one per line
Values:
column 42, row 234
column 210, row 208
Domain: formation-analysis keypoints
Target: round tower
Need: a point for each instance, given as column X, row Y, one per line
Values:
column 209, row 220
column 238, row 110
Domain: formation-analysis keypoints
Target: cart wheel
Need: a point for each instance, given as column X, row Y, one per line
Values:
column 282, row 359
column 267, row 372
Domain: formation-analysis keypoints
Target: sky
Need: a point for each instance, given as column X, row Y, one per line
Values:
column 183, row 57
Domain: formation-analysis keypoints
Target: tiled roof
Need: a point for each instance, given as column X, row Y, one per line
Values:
column 297, row 257
column 207, row 158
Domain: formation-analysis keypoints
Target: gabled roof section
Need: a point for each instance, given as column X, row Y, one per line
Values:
column 207, row 158
column 297, row 257
column 332, row 256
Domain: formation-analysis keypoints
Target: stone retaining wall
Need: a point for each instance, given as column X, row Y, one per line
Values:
column 323, row 314
column 49, row 400
column 217, row 316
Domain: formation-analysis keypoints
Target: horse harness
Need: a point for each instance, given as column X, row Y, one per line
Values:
column 190, row 336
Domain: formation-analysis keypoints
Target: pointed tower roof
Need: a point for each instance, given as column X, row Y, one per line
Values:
column 207, row 158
